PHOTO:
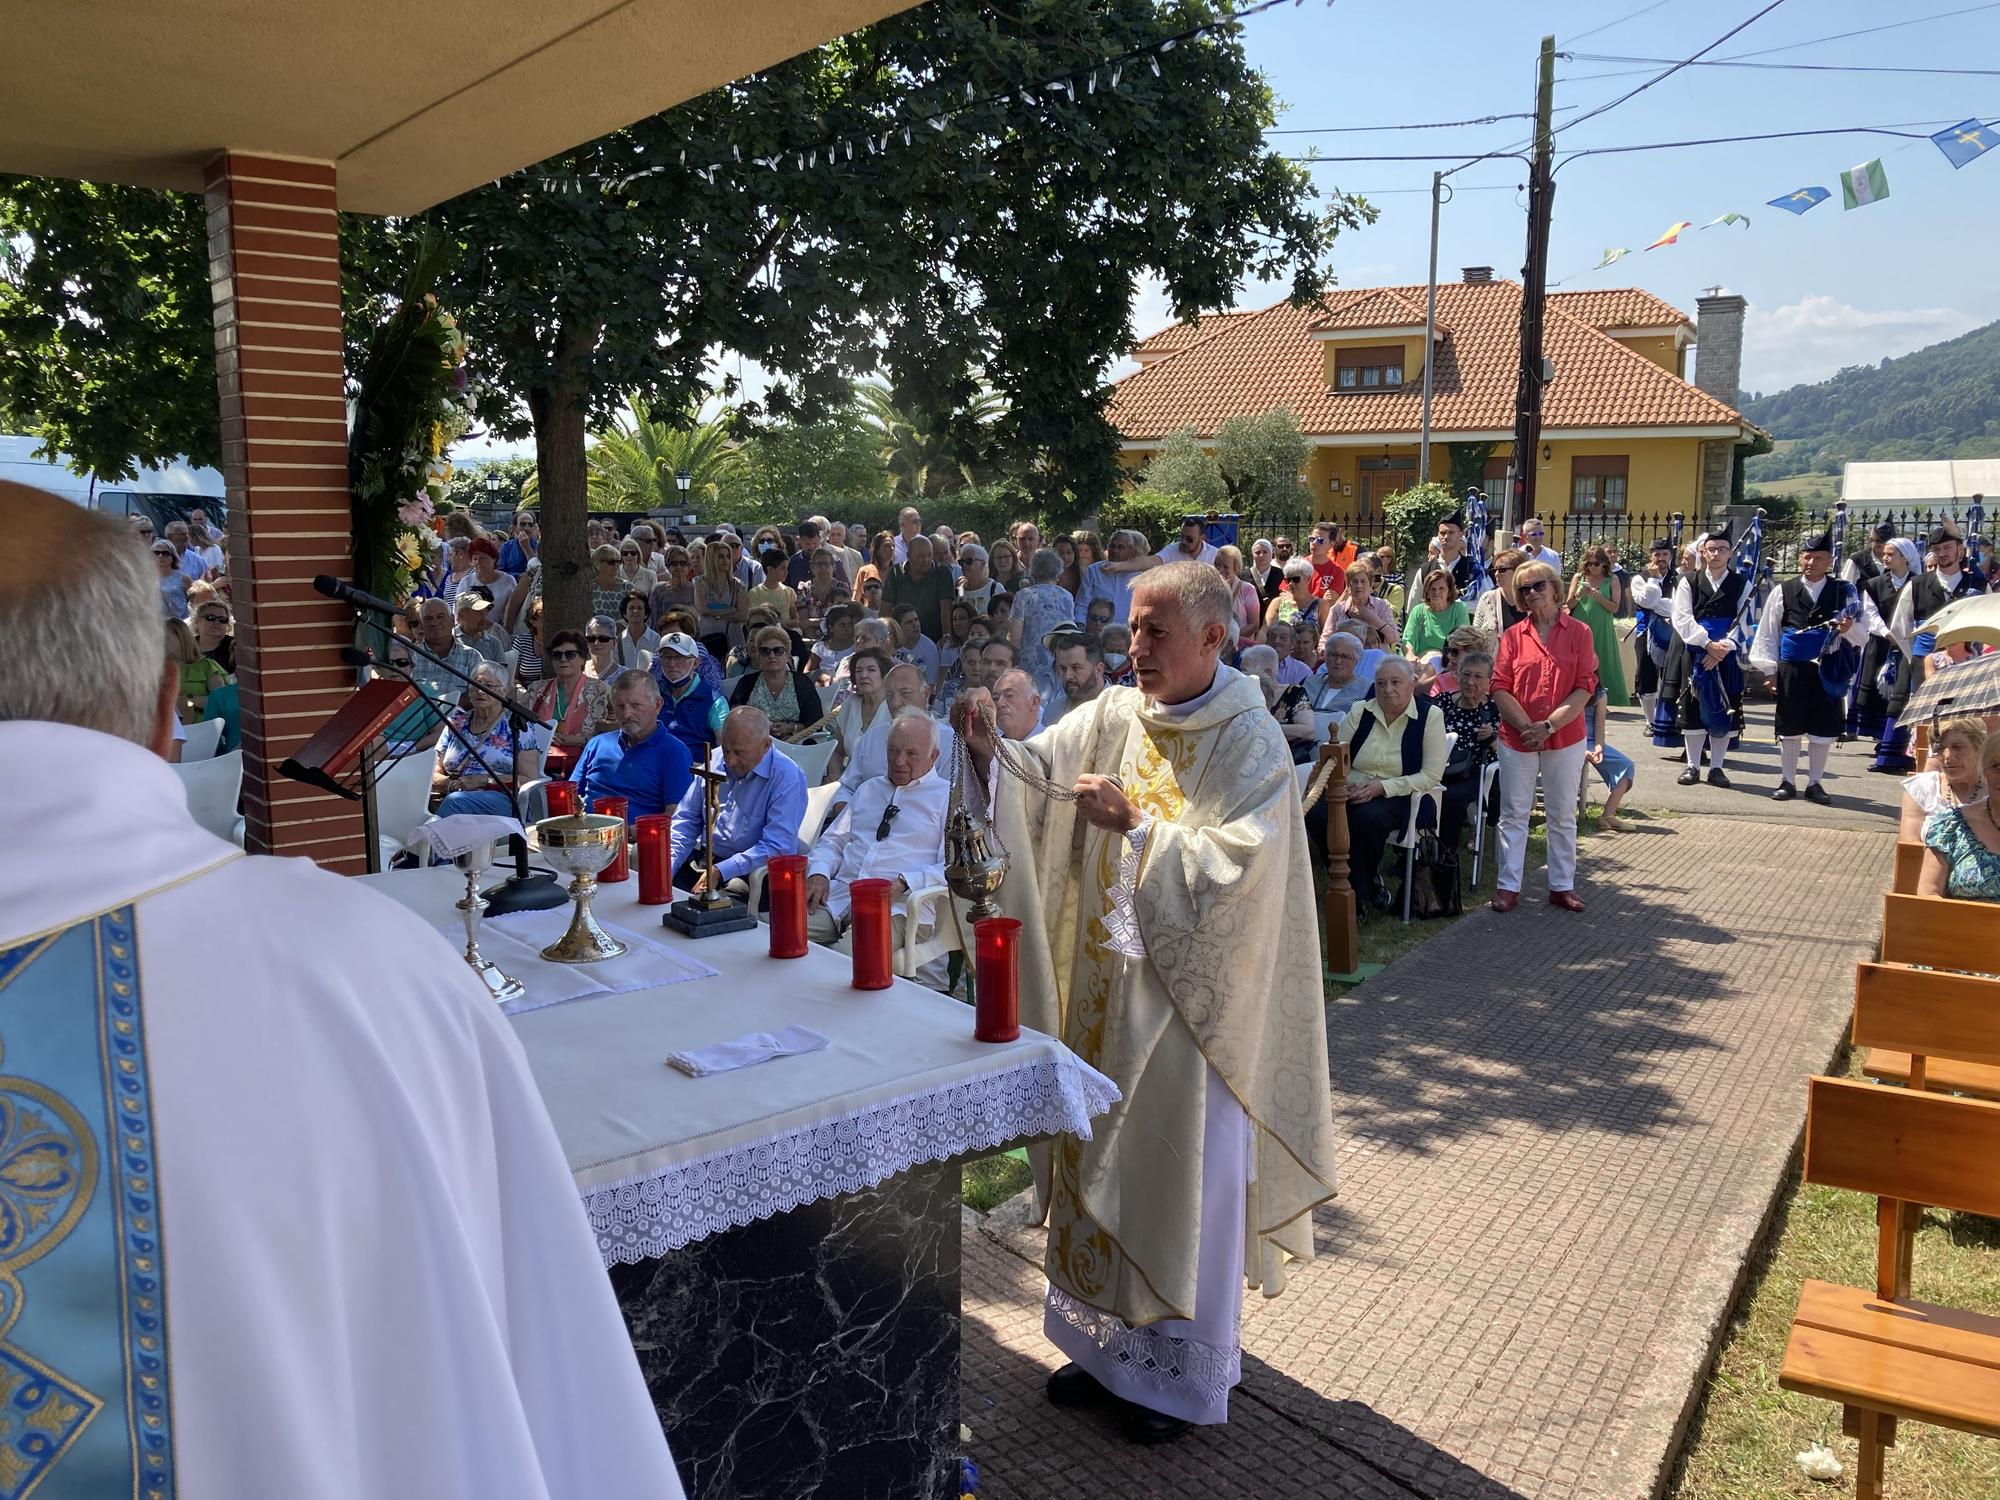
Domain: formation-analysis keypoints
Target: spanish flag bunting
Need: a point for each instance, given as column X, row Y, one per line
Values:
column 1673, row 233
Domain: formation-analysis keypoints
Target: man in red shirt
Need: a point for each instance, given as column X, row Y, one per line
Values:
column 1328, row 576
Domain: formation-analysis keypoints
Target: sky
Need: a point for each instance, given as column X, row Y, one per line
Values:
column 1827, row 289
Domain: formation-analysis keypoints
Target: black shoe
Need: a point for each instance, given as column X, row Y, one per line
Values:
column 1073, row 1385
column 1689, row 777
column 1817, row 793
column 1148, row 1427
column 1384, row 899
column 1679, row 757
column 1716, row 778
column 1785, row 792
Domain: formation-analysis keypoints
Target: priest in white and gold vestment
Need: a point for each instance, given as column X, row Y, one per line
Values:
column 1170, row 939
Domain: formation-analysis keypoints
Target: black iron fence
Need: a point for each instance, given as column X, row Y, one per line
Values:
column 1630, row 534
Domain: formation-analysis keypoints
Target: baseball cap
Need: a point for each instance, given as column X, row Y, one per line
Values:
column 678, row 643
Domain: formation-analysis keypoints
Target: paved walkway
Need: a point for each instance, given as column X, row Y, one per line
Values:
column 1559, row 1139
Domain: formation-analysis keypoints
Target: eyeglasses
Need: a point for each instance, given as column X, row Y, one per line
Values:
column 568, row 653
column 774, row 650
column 599, row 640
column 1532, row 588
column 888, row 818
column 163, row 552
column 214, row 619
column 402, row 663
column 628, row 553
column 1503, row 572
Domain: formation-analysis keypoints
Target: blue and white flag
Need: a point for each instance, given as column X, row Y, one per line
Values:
column 1966, row 141
column 1749, row 564
column 1803, row 199
column 1475, row 541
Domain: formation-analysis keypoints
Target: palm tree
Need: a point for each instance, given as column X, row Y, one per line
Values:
column 923, row 456
column 635, row 463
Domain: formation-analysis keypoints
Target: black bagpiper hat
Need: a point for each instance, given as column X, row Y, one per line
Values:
column 1944, row 531
column 1662, row 544
column 1818, row 541
column 1720, row 532
column 1885, row 531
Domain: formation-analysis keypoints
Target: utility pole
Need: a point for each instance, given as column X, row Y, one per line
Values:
column 1534, row 293
column 1430, row 331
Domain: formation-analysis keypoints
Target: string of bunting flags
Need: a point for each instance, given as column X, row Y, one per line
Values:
column 1108, row 75
column 1860, row 186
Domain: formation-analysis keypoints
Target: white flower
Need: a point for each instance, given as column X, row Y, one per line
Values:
column 1819, row 1463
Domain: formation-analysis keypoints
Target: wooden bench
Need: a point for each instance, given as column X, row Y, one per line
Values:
column 1909, row 865
column 1881, row 1355
column 1948, row 1023
column 1940, row 933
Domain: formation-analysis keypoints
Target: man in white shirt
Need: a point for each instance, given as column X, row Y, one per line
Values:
column 836, row 537
column 1191, row 546
column 1534, row 539
column 192, row 562
column 907, row 692
column 333, row 1248
column 1017, row 704
column 893, row 830
column 910, row 526
column 206, row 541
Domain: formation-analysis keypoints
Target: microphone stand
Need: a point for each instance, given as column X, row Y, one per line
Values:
column 525, row 889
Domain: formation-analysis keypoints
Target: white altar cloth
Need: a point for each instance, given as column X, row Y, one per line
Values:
column 515, row 942
column 663, row 1160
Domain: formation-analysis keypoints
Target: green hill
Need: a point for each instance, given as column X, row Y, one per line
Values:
column 1939, row 402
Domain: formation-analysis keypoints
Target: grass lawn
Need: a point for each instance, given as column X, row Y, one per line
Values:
column 1743, row 1441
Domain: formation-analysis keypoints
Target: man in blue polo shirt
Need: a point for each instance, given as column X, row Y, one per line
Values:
column 688, row 706
column 760, row 805
column 641, row 760
column 526, row 542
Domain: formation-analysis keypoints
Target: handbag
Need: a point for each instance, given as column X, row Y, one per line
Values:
column 1463, row 762
column 1434, row 880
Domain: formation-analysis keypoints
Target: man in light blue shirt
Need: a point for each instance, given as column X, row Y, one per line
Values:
column 1113, row 578
column 759, row 808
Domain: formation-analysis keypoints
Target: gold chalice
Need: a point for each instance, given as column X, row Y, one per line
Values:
column 581, row 844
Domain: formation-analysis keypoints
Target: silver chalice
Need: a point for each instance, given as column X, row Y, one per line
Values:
column 475, row 862
column 581, row 844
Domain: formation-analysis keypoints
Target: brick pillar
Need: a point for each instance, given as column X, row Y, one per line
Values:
column 274, row 271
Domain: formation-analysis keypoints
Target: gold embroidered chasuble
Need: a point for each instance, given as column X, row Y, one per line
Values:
column 1231, row 980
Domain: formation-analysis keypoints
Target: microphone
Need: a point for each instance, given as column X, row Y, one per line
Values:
column 354, row 656
column 347, row 593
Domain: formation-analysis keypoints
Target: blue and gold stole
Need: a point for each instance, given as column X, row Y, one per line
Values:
column 83, row 1335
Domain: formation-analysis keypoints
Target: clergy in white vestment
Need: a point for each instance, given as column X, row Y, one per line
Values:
column 1169, row 938
column 281, row 1211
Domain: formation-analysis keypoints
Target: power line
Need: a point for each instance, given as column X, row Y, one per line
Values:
column 1781, row 68
column 1632, row 16
column 1424, row 125
column 1591, row 114
column 1841, row 36
column 1772, row 135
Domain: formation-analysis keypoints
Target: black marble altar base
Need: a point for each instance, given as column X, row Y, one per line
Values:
column 814, row 1353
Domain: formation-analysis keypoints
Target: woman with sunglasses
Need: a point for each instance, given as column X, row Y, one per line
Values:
column 574, row 703
column 862, row 725
column 786, row 696
column 600, row 639
column 632, row 566
column 676, row 588
column 1543, row 681
column 1495, row 611
column 1595, row 597
column 212, row 632
column 636, row 642
column 721, row 600
column 173, row 582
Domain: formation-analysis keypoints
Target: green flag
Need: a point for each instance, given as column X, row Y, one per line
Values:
column 1864, row 184
column 1609, row 257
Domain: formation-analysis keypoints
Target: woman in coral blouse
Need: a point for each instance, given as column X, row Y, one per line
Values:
column 1543, row 679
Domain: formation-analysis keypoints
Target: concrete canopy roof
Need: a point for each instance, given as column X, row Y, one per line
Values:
column 412, row 102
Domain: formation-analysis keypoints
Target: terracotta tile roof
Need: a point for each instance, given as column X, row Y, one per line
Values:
column 1178, row 336
column 1619, row 307
column 1269, row 358
column 1382, row 307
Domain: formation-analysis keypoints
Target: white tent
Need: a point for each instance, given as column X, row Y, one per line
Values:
column 1912, row 484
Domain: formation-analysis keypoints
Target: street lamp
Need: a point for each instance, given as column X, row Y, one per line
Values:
column 494, row 483
column 684, row 479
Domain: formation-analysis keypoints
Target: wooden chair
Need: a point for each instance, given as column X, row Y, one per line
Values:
column 1883, row 1356
column 1939, row 933
column 1909, row 865
column 1928, row 1029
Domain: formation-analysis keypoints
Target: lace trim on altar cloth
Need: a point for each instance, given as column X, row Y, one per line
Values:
column 1190, row 1373
column 649, row 1216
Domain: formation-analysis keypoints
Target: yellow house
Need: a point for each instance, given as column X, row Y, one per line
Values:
column 1623, row 428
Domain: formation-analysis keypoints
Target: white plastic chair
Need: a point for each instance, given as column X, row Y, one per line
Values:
column 203, row 740
column 1489, row 779
column 928, row 905
column 509, row 662
column 818, row 800
column 812, row 757
column 1407, row 842
column 729, row 685
column 402, row 805
column 213, row 787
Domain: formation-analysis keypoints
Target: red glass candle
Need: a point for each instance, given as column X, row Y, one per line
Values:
column 653, row 833
column 996, row 1015
column 621, row 867
column 869, row 936
column 785, row 881
column 562, row 798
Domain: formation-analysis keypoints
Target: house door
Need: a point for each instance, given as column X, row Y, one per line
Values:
column 1381, row 478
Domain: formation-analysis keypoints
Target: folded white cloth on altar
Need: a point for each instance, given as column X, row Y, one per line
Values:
column 452, row 836
column 515, row 942
column 746, row 1051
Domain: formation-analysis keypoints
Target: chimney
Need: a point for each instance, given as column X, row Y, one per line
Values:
column 1476, row 275
column 1718, row 340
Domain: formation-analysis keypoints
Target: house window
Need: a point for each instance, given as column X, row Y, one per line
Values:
column 1368, row 369
column 1597, row 485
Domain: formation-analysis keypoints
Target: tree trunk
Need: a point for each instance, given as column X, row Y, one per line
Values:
column 559, row 412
